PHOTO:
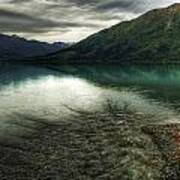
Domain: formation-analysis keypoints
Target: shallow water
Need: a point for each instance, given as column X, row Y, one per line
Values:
column 51, row 94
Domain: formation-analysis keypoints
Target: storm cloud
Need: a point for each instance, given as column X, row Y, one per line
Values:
column 17, row 22
column 68, row 20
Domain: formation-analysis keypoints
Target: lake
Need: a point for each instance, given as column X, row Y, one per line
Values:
column 52, row 94
column 89, row 122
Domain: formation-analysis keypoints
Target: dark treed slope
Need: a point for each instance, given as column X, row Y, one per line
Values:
column 152, row 38
column 16, row 48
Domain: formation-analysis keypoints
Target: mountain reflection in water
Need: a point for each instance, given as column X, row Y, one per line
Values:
column 101, row 122
column 46, row 94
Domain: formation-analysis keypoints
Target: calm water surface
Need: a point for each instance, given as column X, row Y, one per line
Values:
column 50, row 94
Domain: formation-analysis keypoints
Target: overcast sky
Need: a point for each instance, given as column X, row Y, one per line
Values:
column 68, row 20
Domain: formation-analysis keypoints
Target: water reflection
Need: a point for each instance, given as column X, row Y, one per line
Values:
column 48, row 95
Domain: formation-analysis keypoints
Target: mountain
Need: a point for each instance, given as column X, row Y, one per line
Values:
column 15, row 48
column 153, row 37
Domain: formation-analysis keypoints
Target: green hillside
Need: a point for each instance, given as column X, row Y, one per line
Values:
column 151, row 38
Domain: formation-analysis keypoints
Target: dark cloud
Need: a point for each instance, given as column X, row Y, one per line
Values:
column 75, row 18
column 122, row 5
column 110, row 5
column 115, row 4
column 19, row 1
column 17, row 22
column 82, row 2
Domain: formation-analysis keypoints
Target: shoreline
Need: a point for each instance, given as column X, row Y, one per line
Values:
column 94, row 146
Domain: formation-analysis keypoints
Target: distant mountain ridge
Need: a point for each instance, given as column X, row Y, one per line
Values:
column 17, row 48
column 151, row 38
